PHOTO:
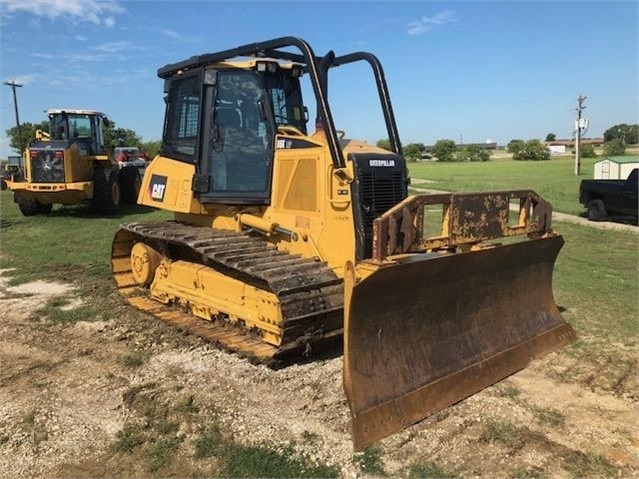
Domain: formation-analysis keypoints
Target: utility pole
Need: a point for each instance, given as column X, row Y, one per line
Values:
column 13, row 86
column 578, row 126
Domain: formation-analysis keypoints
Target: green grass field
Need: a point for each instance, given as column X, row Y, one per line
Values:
column 595, row 284
column 596, row 271
column 70, row 238
column 554, row 179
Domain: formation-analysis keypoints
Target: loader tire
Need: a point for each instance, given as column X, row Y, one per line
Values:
column 106, row 191
column 130, row 183
column 596, row 210
column 3, row 185
column 32, row 207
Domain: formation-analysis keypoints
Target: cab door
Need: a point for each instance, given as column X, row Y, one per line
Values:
column 237, row 158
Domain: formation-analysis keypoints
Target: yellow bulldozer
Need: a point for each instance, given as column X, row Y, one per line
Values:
column 70, row 165
column 285, row 242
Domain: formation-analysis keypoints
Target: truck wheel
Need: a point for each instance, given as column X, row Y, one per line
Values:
column 106, row 191
column 596, row 210
column 32, row 207
column 131, row 183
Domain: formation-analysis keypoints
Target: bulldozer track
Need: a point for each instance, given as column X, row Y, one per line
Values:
column 309, row 292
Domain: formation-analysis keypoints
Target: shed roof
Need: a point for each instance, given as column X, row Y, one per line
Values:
column 621, row 159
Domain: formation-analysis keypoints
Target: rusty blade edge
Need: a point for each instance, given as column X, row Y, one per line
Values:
column 380, row 421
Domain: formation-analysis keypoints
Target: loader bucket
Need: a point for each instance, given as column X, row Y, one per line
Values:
column 425, row 333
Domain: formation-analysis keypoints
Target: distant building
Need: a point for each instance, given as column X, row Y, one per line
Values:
column 571, row 142
column 557, row 149
column 483, row 146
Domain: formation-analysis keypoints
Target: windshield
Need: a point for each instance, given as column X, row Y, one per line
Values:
column 69, row 126
column 286, row 98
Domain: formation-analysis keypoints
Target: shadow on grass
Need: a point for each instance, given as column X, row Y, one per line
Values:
column 4, row 224
column 617, row 218
column 87, row 211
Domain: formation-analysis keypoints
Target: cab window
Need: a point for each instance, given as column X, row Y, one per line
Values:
column 239, row 158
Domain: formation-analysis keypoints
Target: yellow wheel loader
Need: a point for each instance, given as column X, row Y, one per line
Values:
column 9, row 172
column 285, row 241
column 70, row 165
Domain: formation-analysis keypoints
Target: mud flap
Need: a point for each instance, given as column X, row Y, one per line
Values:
column 426, row 333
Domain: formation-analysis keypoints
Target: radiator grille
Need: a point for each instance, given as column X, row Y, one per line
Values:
column 46, row 167
column 377, row 190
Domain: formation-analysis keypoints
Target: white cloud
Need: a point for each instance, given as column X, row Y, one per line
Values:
column 169, row 33
column 74, row 10
column 425, row 24
column 83, row 57
column 109, row 22
column 25, row 79
column 113, row 47
column 46, row 56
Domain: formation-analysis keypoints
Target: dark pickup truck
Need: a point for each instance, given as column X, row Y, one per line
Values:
column 601, row 197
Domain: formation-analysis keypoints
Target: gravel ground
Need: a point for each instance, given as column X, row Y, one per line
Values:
column 65, row 393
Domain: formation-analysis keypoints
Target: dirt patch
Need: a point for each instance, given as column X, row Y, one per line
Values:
column 78, row 399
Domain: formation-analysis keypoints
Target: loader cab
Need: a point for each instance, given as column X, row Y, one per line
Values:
column 224, row 119
column 82, row 127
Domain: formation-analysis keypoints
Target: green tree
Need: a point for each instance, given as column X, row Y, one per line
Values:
column 444, row 150
column 384, row 144
column 27, row 133
column 627, row 134
column 551, row 137
column 614, row 147
column 413, row 151
column 533, row 150
column 515, row 145
column 473, row 153
column 587, row 151
column 119, row 137
column 151, row 148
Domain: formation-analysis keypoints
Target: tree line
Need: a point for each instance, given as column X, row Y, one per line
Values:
column 443, row 150
column 616, row 138
column 113, row 137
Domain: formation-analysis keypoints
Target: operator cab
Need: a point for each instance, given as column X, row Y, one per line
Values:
column 240, row 106
column 84, row 127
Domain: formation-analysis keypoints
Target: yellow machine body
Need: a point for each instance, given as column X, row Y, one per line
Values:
column 77, row 185
column 308, row 199
column 70, row 165
column 433, row 296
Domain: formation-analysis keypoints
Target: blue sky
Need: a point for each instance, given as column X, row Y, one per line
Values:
column 459, row 70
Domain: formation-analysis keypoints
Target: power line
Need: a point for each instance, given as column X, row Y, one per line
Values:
column 13, row 86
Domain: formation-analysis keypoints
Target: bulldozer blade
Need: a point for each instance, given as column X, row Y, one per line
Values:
column 425, row 333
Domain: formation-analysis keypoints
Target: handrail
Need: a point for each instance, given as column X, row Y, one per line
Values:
column 317, row 68
column 259, row 50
